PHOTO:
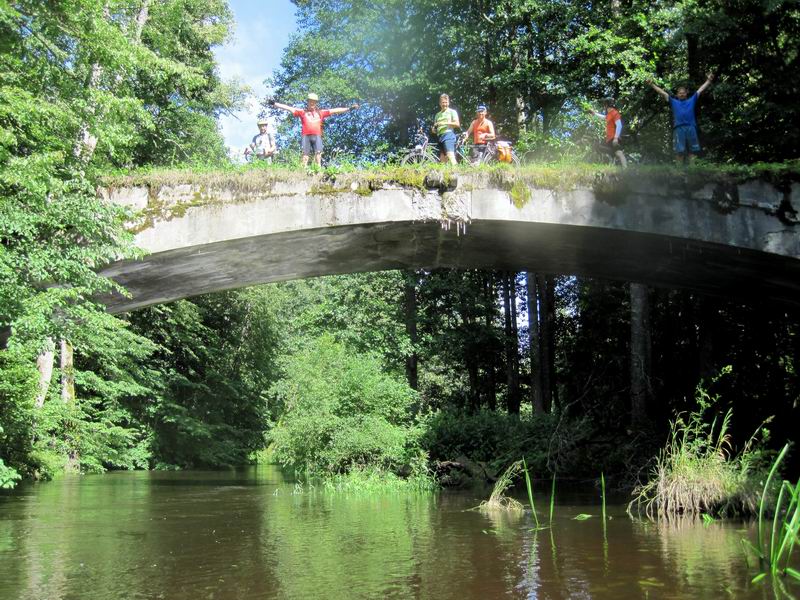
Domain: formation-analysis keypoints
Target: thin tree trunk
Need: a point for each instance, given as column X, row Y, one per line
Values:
column 44, row 363
column 67, row 373
column 534, row 341
column 640, row 352
column 491, row 394
column 410, row 288
column 546, row 338
column 512, row 392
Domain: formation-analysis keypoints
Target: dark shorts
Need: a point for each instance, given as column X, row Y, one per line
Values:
column 609, row 147
column 312, row 144
column 685, row 139
column 447, row 141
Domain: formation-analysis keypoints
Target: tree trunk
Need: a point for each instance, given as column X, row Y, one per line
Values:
column 44, row 364
column 410, row 288
column 640, row 352
column 491, row 393
column 546, row 342
column 67, row 373
column 512, row 389
column 534, row 341
column 551, row 339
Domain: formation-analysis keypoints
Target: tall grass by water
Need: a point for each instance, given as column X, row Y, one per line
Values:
column 498, row 499
column 698, row 472
column 776, row 540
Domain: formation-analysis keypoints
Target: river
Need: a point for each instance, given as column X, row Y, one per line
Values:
column 250, row 534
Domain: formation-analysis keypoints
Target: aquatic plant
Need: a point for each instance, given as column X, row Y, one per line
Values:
column 603, row 494
column 774, row 544
column 552, row 497
column 498, row 499
column 529, row 487
column 697, row 471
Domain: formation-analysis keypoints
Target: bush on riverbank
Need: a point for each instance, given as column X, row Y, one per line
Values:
column 341, row 413
column 698, row 472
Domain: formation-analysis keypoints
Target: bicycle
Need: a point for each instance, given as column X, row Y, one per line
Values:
column 422, row 153
column 493, row 151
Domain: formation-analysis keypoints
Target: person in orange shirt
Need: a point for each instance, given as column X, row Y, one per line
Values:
column 482, row 130
column 612, row 144
column 311, row 117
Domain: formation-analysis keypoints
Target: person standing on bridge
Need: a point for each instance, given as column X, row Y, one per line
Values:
column 263, row 145
column 686, row 142
column 612, row 144
column 311, row 117
column 444, row 125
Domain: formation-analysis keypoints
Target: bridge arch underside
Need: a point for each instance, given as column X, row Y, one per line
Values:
column 658, row 260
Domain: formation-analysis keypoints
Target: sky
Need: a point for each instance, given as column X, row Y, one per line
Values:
column 262, row 32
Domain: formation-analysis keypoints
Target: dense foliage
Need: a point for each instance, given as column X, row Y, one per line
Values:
column 85, row 86
column 536, row 62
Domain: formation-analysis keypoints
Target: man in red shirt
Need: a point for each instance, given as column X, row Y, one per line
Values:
column 311, row 117
column 612, row 144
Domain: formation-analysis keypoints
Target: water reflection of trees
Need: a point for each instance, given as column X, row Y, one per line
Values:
column 704, row 559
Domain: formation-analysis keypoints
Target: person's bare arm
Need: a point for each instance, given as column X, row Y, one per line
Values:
column 709, row 79
column 490, row 134
column 274, row 104
column 343, row 109
column 658, row 90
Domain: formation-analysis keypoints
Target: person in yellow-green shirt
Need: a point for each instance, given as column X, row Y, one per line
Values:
column 444, row 125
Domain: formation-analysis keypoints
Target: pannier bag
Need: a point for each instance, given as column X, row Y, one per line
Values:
column 504, row 152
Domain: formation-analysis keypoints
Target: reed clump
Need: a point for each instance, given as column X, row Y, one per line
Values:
column 697, row 471
column 498, row 499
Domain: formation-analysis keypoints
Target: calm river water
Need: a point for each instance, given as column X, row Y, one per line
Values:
column 249, row 535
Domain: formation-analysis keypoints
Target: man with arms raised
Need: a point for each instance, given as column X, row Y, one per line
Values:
column 311, row 117
column 684, row 125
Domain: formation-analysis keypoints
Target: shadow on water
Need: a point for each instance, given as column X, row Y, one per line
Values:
column 251, row 534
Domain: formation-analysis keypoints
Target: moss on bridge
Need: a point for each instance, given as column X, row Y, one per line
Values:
column 238, row 183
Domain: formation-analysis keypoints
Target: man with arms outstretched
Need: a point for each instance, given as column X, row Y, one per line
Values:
column 684, row 125
column 311, row 117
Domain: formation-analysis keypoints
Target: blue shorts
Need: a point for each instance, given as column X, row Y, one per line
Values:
column 685, row 139
column 447, row 141
column 312, row 144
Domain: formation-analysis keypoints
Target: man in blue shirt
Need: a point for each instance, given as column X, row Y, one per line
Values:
column 684, row 125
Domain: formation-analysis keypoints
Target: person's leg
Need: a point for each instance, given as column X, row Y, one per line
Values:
column 679, row 145
column 622, row 160
column 692, row 143
column 448, row 141
column 306, row 145
column 318, row 150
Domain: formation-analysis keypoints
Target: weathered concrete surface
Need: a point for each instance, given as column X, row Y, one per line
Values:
column 738, row 241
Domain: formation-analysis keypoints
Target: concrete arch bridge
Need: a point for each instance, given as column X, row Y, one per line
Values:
column 206, row 233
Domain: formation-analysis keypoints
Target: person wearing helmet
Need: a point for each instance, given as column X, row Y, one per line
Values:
column 482, row 130
column 311, row 117
column 612, row 144
column 686, row 142
column 263, row 146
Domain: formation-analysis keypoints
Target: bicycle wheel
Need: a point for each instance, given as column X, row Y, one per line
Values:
column 417, row 158
column 490, row 158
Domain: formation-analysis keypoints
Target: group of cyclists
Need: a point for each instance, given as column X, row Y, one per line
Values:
column 481, row 130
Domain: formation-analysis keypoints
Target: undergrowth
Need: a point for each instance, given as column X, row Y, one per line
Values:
column 698, row 472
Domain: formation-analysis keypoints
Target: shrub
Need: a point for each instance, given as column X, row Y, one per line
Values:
column 342, row 412
column 489, row 437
